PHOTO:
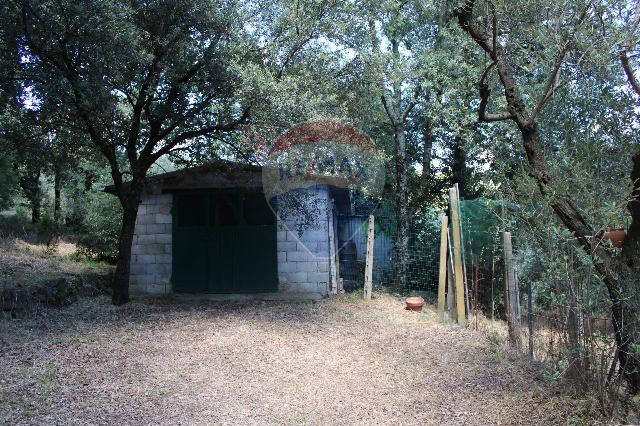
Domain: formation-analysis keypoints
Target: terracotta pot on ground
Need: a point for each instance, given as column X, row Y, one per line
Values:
column 414, row 303
column 616, row 236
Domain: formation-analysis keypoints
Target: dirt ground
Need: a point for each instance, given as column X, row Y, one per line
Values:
column 335, row 361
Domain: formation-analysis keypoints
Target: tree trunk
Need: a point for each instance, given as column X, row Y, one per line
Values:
column 130, row 200
column 88, row 181
column 459, row 172
column 35, row 210
column 35, row 196
column 57, row 203
column 30, row 184
column 624, row 290
column 123, row 267
column 631, row 249
column 426, row 187
column 402, row 210
column 575, row 370
column 620, row 274
column 426, row 157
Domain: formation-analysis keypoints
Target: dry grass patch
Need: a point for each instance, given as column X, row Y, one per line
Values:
column 336, row 361
column 32, row 275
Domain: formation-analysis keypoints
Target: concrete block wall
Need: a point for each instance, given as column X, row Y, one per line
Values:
column 303, row 258
column 152, row 245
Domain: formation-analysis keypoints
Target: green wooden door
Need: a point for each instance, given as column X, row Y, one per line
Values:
column 229, row 248
column 190, row 243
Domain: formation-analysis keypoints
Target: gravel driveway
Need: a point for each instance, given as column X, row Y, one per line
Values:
column 336, row 361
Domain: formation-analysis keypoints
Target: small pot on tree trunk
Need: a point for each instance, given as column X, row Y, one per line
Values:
column 616, row 236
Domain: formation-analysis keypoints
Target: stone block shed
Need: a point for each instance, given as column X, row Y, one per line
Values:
column 210, row 230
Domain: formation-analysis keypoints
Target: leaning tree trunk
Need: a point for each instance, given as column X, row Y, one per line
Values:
column 130, row 202
column 620, row 273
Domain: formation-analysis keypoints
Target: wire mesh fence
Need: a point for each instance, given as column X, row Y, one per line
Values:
column 420, row 262
column 561, row 309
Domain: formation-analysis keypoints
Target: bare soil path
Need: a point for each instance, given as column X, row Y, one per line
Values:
column 336, row 361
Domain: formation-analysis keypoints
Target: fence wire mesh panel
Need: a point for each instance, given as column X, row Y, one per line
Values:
column 563, row 311
column 420, row 263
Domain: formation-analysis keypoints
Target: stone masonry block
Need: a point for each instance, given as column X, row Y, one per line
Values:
column 316, row 277
column 151, row 269
column 307, row 287
column 147, row 258
column 146, row 279
column 152, row 209
column 282, row 235
column 146, row 239
column 282, row 256
column 163, row 218
column 307, row 245
column 297, row 277
column 286, row 246
column 140, row 229
column 322, row 254
column 323, row 266
column 156, row 228
column 163, row 258
column 306, row 266
column 298, row 256
column 154, row 249
column 286, row 267
column 145, row 219
column 164, row 238
column 137, row 269
column 292, row 236
column 315, row 236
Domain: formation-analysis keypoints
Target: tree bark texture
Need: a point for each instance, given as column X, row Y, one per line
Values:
column 402, row 210
column 34, row 195
column 129, row 197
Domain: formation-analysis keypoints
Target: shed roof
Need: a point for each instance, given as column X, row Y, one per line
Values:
column 227, row 174
column 219, row 174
